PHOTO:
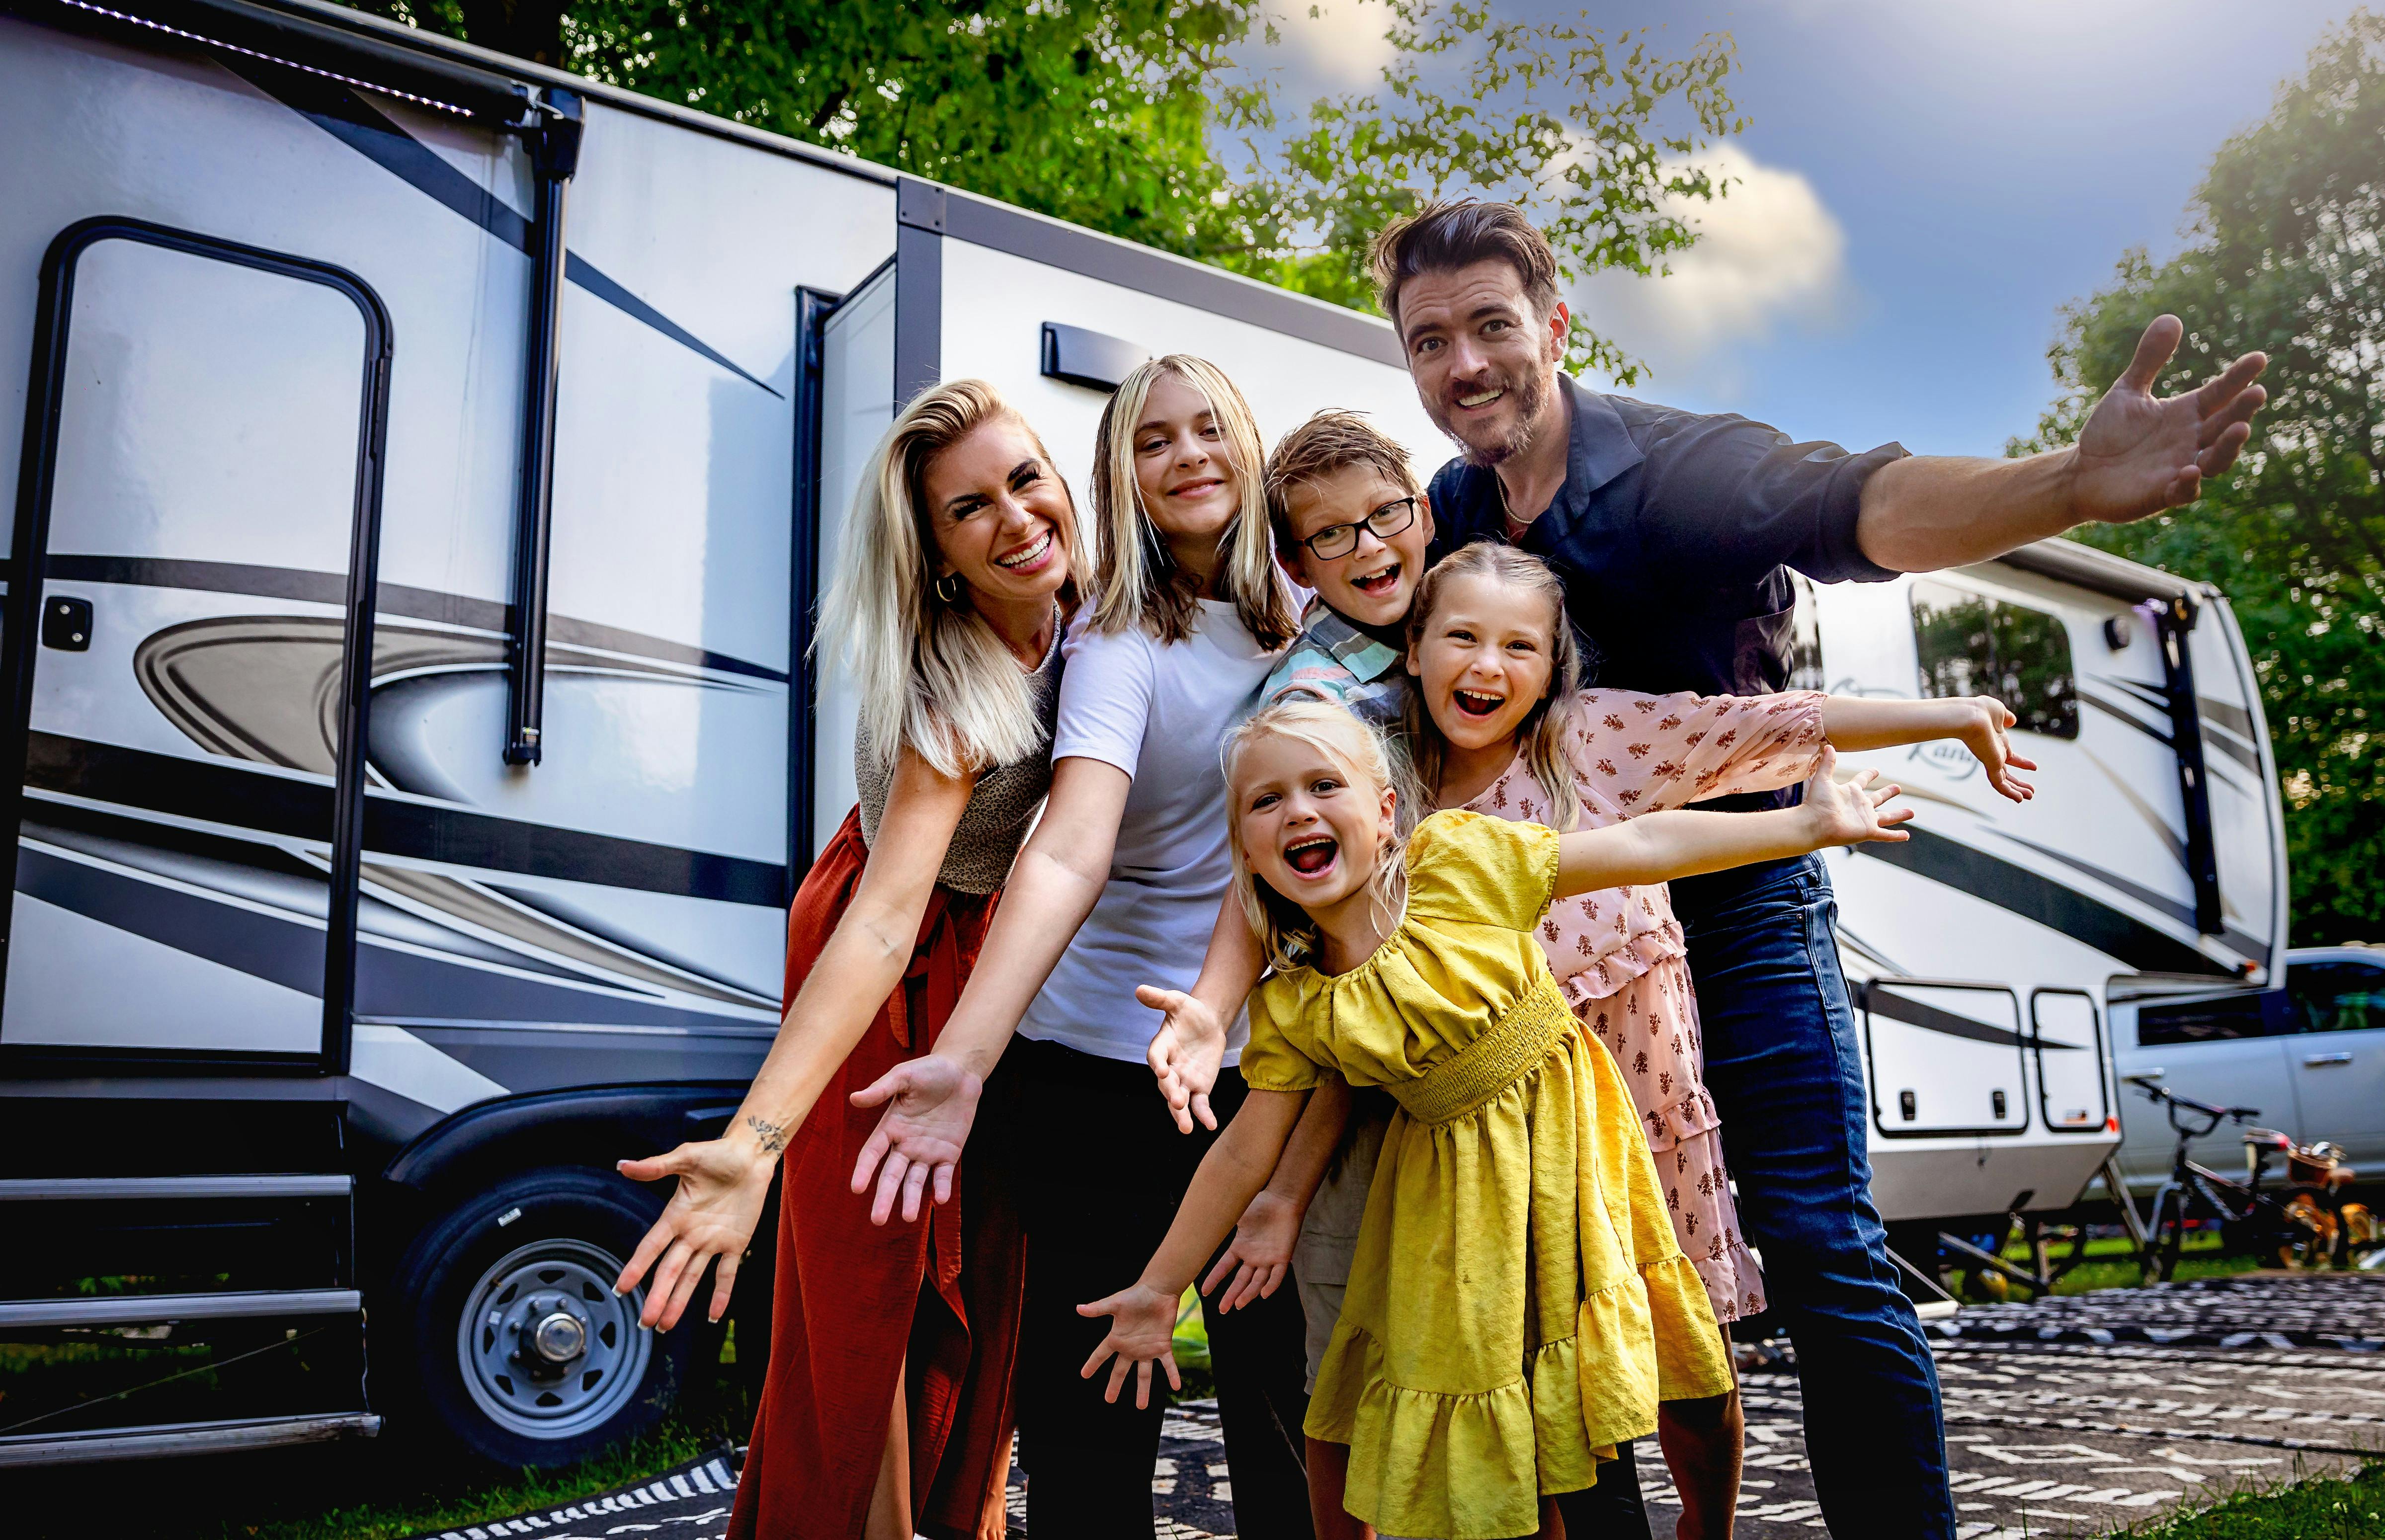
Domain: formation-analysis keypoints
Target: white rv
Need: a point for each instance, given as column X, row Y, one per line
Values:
column 427, row 464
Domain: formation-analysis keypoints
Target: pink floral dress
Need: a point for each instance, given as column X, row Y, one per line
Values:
column 1618, row 954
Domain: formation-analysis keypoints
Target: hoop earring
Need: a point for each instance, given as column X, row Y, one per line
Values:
column 953, row 594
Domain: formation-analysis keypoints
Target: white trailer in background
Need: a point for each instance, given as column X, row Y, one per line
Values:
column 428, row 463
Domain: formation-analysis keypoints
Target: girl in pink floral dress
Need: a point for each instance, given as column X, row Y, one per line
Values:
column 1496, row 725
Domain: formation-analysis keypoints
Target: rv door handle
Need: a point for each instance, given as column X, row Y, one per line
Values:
column 2316, row 1060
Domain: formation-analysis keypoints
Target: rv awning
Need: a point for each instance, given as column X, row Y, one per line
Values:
column 2102, row 572
column 303, row 43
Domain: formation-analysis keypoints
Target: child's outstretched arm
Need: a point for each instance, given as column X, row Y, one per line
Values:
column 1190, row 1046
column 1978, row 722
column 1659, row 848
column 1143, row 1328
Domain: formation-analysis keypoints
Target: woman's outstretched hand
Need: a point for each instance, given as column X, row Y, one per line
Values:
column 722, row 1183
column 1985, row 736
column 1849, row 811
column 1259, row 1254
column 1185, row 1054
column 930, row 1106
column 1142, row 1331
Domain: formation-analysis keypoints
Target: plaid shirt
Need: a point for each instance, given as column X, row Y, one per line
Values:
column 1332, row 659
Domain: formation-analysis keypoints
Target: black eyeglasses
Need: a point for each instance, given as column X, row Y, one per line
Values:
column 1336, row 541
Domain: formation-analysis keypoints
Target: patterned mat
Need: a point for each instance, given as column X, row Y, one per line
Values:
column 2072, row 1416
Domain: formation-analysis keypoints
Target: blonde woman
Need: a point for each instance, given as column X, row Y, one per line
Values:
column 950, row 596
column 1122, row 883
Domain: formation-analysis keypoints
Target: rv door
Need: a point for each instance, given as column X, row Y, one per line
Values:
column 194, row 567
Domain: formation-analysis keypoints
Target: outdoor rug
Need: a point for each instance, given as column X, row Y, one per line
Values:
column 2072, row 1416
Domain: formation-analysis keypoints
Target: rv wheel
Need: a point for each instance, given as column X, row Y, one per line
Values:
column 514, row 1343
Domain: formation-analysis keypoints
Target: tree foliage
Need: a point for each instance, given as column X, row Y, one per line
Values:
column 2284, row 256
column 1165, row 122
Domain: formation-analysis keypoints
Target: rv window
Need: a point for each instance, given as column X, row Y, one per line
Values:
column 2230, row 1016
column 1974, row 646
column 1805, row 640
column 2337, row 996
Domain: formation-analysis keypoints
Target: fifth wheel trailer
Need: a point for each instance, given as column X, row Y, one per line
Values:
column 428, row 462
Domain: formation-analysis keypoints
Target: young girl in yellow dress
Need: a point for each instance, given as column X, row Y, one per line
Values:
column 1519, row 1304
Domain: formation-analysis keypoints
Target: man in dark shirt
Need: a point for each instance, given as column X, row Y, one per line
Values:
column 1675, row 533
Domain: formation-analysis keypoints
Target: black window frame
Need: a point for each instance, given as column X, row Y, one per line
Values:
column 2048, row 712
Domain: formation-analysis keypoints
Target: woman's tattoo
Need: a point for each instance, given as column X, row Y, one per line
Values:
column 773, row 1135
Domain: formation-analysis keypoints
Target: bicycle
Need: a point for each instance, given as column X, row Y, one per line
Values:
column 2304, row 1222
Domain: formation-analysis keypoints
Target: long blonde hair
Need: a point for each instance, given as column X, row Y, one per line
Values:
column 1137, row 579
column 1286, row 932
column 931, row 675
column 1541, row 732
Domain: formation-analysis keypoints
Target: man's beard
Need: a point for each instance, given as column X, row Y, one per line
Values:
column 1532, row 392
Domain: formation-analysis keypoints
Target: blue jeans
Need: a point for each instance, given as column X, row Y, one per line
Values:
column 1787, row 1075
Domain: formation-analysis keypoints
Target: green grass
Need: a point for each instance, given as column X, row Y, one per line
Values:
column 2201, row 1256
column 475, row 1500
column 2330, row 1508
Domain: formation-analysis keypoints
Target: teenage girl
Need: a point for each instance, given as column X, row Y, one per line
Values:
column 1123, row 876
column 1518, row 1305
column 1496, row 726
column 950, row 594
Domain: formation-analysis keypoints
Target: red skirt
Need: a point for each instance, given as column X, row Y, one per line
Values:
column 853, row 1299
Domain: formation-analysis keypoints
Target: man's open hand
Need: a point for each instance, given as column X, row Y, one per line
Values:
column 2138, row 455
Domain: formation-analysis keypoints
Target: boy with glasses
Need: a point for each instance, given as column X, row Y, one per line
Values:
column 1351, row 523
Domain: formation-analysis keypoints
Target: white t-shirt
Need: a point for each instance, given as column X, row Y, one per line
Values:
column 1159, row 713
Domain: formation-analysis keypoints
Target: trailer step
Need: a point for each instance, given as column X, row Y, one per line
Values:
column 83, row 1189
column 181, row 1438
column 134, row 1309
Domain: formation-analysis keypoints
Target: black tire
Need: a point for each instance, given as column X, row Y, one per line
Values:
column 519, row 1256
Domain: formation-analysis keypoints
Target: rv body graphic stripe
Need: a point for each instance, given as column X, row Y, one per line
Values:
column 301, row 809
column 290, row 952
column 2251, row 947
column 2035, row 896
column 365, row 128
column 391, row 598
column 1880, row 1000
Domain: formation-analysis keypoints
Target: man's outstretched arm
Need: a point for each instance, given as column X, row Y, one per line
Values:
column 2136, row 457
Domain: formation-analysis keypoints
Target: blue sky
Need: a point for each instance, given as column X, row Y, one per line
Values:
column 1925, row 183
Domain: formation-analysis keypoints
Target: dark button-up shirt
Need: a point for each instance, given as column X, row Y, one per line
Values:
column 1675, row 533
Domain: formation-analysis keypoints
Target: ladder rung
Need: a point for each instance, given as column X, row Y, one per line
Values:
column 89, row 1188
column 134, row 1309
column 181, row 1438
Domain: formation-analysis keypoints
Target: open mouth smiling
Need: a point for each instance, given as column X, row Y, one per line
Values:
column 1028, row 556
column 1476, row 400
column 1477, row 703
column 1379, row 584
column 1312, row 855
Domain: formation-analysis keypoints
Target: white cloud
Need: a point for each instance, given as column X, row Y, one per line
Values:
column 1330, row 46
column 1768, row 254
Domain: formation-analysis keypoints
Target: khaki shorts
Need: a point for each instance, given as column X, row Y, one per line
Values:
column 1329, row 1234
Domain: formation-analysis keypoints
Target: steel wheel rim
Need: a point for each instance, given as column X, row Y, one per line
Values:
column 595, row 1352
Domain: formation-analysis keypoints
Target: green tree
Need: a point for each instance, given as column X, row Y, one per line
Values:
column 1163, row 122
column 2286, row 254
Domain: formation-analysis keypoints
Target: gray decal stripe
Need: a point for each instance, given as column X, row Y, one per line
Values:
column 2034, row 896
column 364, row 127
column 2125, row 718
column 223, row 793
column 1878, row 1000
column 2235, row 718
column 414, row 604
column 288, row 953
column 2255, row 949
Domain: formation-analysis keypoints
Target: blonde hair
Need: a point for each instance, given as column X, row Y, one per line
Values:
column 1285, row 930
column 1541, row 732
column 931, row 674
column 1136, row 580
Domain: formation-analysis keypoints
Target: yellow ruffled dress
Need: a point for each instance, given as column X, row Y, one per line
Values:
column 1517, row 1305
